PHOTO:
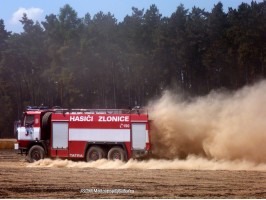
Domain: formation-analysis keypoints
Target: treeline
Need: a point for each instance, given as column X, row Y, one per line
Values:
column 98, row 62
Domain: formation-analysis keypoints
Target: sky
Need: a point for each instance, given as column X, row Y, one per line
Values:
column 11, row 11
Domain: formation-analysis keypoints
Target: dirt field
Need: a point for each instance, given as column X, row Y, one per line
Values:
column 20, row 181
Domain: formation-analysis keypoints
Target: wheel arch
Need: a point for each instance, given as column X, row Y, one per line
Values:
column 40, row 143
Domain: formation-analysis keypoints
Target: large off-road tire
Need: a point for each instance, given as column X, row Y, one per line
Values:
column 35, row 153
column 95, row 153
column 46, row 125
column 117, row 153
column 46, row 120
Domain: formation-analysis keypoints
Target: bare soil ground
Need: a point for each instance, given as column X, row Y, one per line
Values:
column 19, row 181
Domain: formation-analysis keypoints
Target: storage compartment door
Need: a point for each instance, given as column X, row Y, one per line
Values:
column 60, row 135
column 138, row 136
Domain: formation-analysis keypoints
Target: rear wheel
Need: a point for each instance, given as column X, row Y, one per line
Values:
column 95, row 153
column 36, row 153
column 117, row 153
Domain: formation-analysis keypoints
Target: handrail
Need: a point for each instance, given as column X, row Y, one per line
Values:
column 94, row 111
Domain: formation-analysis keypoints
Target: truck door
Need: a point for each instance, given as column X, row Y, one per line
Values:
column 59, row 139
column 138, row 136
column 29, row 129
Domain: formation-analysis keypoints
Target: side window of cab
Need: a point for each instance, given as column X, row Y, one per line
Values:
column 29, row 121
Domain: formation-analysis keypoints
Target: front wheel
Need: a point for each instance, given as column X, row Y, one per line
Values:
column 36, row 153
column 117, row 153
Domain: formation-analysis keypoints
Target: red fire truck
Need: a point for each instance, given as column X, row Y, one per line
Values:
column 91, row 134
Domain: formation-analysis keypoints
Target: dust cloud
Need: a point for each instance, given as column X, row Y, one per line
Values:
column 220, row 131
column 191, row 163
column 220, row 126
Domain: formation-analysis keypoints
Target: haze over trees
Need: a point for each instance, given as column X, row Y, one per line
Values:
column 98, row 62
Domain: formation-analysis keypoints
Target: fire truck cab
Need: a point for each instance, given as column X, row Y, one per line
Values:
column 91, row 134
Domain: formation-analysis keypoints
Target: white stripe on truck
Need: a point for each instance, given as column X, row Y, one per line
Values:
column 99, row 135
